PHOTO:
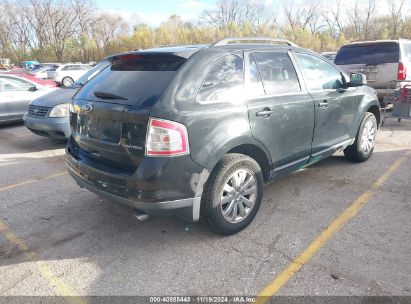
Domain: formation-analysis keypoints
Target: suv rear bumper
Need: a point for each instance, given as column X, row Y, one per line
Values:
column 188, row 209
column 161, row 189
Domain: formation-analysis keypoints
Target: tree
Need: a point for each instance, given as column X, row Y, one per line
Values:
column 304, row 17
column 106, row 29
column 227, row 13
column 395, row 8
column 74, row 30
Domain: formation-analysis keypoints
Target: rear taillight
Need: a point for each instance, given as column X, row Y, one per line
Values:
column 402, row 72
column 166, row 138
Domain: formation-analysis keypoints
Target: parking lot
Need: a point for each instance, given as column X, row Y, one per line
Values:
column 59, row 239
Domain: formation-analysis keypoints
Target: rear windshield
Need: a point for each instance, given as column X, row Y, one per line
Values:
column 368, row 53
column 133, row 79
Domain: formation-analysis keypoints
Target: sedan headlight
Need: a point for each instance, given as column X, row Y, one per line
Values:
column 62, row 110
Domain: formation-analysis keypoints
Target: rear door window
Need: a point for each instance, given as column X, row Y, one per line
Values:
column 224, row 82
column 368, row 53
column 136, row 79
column 277, row 72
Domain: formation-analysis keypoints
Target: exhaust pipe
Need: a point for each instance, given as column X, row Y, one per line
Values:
column 140, row 215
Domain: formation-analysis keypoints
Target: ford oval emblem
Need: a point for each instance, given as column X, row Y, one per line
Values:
column 87, row 108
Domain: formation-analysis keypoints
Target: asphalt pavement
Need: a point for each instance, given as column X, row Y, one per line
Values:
column 59, row 239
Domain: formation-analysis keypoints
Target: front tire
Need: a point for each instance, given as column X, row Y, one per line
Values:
column 364, row 144
column 233, row 194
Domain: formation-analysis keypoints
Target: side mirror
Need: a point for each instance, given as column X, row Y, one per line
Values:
column 33, row 89
column 357, row 79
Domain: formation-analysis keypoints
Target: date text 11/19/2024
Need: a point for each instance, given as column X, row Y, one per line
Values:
column 203, row 299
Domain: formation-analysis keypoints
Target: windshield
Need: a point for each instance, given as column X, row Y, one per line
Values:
column 368, row 53
column 135, row 79
column 92, row 72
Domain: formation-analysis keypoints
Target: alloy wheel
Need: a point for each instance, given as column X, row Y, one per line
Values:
column 368, row 137
column 238, row 195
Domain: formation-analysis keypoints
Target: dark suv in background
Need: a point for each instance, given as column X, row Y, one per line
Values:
column 196, row 130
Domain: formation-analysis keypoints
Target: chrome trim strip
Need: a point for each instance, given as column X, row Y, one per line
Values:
column 335, row 147
column 291, row 164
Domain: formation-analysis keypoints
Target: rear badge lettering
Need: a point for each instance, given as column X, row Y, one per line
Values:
column 133, row 147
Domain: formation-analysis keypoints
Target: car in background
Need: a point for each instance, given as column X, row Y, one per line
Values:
column 49, row 64
column 16, row 93
column 25, row 74
column 30, row 65
column 40, row 73
column 67, row 74
column 48, row 115
column 329, row 55
column 384, row 62
column 52, row 71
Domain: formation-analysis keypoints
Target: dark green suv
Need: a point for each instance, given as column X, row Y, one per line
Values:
column 197, row 130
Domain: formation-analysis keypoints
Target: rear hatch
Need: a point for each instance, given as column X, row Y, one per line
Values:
column 110, row 113
column 51, row 73
column 377, row 60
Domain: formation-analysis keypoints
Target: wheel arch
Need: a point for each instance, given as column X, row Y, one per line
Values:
column 253, row 150
column 375, row 110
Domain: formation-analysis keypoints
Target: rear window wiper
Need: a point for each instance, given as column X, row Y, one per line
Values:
column 105, row 95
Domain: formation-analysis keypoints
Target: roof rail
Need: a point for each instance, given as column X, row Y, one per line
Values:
column 267, row 39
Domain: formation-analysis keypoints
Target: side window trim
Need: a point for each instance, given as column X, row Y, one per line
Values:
column 247, row 74
column 299, row 71
column 246, row 69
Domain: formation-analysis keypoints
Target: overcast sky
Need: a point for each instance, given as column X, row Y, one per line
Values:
column 153, row 12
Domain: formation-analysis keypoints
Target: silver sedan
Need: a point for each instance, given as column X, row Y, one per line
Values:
column 15, row 95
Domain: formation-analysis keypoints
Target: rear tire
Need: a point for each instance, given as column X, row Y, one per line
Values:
column 233, row 194
column 67, row 82
column 362, row 148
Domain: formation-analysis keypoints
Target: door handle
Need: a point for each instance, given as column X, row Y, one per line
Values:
column 323, row 104
column 266, row 113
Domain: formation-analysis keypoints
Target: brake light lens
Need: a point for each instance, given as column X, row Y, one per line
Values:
column 402, row 71
column 166, row 138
